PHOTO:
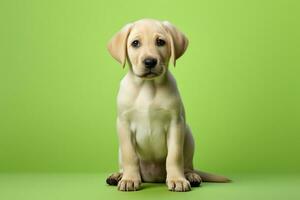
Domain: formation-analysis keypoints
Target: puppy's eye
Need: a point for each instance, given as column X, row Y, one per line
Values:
column 160, row 42
column 135, row 43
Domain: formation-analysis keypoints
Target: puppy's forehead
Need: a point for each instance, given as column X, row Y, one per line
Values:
column 147, row 26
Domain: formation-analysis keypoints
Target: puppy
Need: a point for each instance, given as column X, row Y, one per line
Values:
column 156, row 144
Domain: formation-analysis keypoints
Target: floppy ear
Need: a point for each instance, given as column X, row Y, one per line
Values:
column 179, row 42
column 117, row 45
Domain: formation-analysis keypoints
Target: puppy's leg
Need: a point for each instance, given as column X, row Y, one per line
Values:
column 131, row 179
column 176, row 180
column 188, row 152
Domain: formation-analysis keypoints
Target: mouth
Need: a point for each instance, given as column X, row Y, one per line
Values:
column 149, row 74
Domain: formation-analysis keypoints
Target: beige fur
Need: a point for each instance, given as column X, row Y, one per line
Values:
column 156, row 144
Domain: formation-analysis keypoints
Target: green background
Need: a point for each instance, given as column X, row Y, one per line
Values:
column 239, row 81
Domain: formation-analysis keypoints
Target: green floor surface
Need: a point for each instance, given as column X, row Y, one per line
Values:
column 93, row 187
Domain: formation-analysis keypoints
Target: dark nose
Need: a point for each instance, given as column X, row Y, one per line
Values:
column 150, row 62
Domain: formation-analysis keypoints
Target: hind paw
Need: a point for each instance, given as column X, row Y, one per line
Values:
column 194, row 179
column 114, row 178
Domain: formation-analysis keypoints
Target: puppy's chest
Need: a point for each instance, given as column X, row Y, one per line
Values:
column 149, row 123
column 149, row 119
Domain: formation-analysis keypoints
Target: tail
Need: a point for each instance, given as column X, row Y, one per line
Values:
column 207, row 177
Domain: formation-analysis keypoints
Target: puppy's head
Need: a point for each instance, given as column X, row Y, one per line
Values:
column 148, row 46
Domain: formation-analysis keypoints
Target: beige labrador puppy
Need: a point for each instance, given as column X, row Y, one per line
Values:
column 156, row 144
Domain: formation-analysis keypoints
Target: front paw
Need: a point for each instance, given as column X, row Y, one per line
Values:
column 127, row 184
column 178, row 184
